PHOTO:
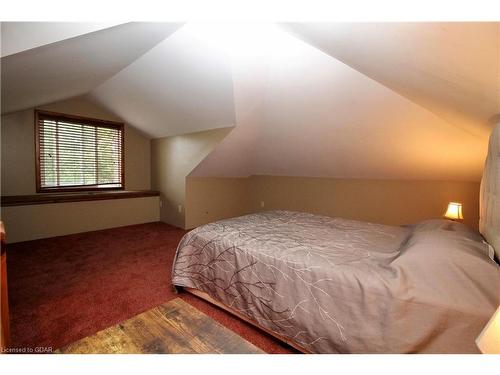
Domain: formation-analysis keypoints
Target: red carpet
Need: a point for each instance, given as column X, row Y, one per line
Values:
column 65, row 288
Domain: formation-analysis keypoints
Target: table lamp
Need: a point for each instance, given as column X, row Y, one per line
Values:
column 454, row 211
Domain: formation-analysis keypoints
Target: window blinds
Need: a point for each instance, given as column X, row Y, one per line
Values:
column 78, row 153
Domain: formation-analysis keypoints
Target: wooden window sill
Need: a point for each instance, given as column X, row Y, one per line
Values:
column 25, row 200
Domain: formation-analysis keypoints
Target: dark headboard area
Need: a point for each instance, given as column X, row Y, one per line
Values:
column 489, row 211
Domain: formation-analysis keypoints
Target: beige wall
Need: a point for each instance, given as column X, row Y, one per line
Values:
column 18, row 178
column 172, row 159
column 380, row 201
column 211, row 198
column 18, row 147
column 24, row 223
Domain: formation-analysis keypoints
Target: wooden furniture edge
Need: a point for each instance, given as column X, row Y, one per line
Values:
column 4, row 301
column 25, row 200
column 208, row 298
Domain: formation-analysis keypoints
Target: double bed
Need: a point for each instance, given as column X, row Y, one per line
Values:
column 333, row 285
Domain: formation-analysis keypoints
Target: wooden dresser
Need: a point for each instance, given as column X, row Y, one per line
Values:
column 5, row 335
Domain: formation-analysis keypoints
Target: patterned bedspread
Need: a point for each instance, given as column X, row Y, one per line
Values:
column 332, row 285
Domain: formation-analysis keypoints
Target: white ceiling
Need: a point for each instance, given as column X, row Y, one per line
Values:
column 21, row 36
column 320, row 117
column 402, row 101
column 181, row 85
column 74, row 66
column 452, row 69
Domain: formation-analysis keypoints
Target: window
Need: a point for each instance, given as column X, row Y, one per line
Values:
column 77, row 153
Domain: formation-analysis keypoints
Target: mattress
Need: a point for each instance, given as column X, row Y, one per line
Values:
column 334, row 285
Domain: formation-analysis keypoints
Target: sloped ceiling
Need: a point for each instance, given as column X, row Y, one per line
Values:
column 182, row 85
column 22, row 36
column 451, row 69
column 74, row 66
column 321, row 117
column 402, row 101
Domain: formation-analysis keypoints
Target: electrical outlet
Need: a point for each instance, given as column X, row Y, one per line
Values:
column 180, row 208
column 262, row 204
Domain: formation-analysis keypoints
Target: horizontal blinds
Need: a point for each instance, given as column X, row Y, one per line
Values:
column 77, row 153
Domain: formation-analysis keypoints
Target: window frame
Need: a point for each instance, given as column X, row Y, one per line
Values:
column 84, row 120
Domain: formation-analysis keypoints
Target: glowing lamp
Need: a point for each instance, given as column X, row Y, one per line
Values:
column 488, row 340
column 454, row 211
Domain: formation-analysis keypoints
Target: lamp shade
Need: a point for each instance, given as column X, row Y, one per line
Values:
column 488, row 340
column 454, row 211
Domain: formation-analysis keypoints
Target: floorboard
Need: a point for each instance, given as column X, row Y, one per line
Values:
column 175, row 327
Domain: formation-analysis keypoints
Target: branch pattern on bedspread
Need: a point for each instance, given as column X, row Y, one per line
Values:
column 275, row 268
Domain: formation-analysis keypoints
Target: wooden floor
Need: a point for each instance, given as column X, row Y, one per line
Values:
column 174, row 327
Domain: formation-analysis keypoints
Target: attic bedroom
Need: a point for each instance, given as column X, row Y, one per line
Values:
column 250, row 187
